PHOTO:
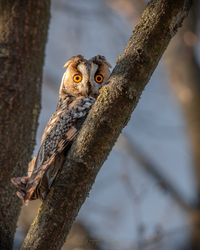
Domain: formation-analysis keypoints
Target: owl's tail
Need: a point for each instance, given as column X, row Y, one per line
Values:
column 20, row 183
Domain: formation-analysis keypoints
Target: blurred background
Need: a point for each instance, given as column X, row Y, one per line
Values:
column 146, row 196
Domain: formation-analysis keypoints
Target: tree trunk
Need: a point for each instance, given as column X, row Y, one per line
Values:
column 185, row 75
column 111, row 112
column 23, row 34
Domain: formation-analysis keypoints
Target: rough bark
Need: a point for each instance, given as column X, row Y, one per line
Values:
column 23, row 34
column 159, row 23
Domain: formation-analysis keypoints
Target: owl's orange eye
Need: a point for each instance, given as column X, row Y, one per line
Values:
column 77, row 78
column 99, row 78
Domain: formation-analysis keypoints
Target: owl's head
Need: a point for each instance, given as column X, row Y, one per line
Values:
column 84, row 77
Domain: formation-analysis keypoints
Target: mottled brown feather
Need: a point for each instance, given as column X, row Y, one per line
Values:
column 36, row 176
column 75, row 101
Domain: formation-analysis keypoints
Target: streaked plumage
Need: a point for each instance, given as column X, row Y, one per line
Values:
column 78, row 92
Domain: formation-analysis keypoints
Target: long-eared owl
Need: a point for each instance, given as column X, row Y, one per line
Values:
column 78, row 92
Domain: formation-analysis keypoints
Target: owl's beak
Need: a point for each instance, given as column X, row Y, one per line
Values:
column 89, row 88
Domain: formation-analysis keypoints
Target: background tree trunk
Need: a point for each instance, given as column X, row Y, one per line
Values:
column 185, row 78
column 111, row 112
column 184, row 71
column 23, row 35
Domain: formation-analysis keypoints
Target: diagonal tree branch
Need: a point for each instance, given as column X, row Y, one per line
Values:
column 111, row 112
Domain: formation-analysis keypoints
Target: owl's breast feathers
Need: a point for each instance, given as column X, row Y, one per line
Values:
column 59, row 133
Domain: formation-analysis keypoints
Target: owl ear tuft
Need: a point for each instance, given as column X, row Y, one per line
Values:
column 107, row 63
column 77, row 59
column 103, row 59
column 66, row 64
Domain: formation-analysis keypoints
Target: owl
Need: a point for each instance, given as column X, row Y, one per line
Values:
column 78, row 92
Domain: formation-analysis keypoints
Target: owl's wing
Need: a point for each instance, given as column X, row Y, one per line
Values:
column 61, row 135
column 42, row 166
